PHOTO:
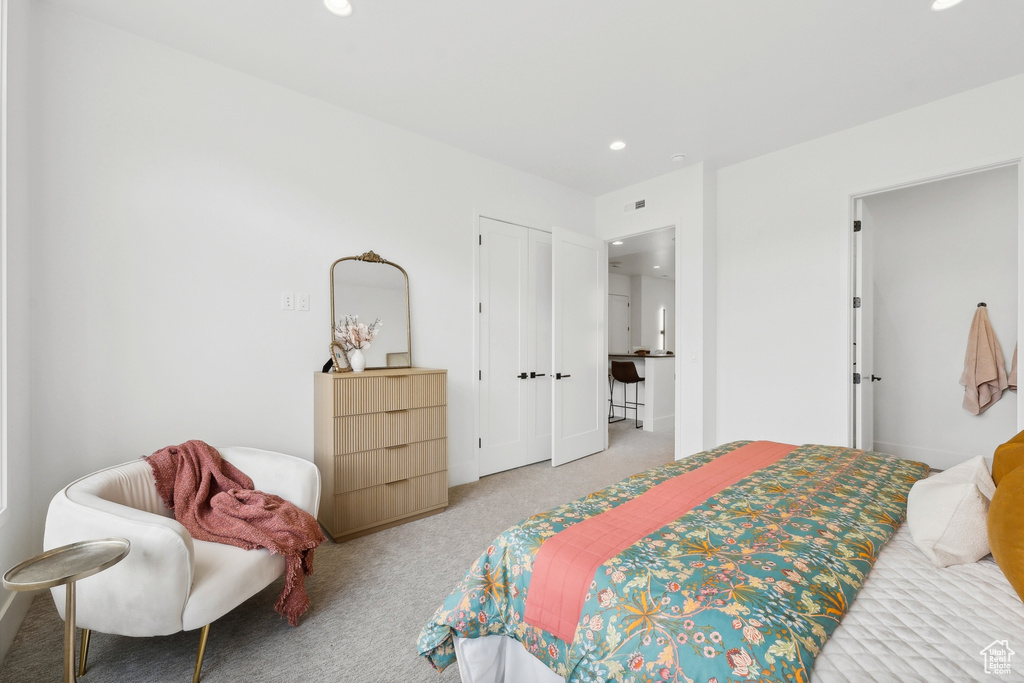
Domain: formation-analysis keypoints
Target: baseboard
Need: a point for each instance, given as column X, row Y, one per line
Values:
column 11, row 616
column 462, row 472
column 665, row 423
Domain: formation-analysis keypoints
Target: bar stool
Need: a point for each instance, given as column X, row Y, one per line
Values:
column 625, row 372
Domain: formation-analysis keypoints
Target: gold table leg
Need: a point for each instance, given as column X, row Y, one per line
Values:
column 69, row 633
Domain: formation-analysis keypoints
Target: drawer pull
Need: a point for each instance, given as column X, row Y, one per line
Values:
column 397, row 448
column 400, row 410
column 400, row 481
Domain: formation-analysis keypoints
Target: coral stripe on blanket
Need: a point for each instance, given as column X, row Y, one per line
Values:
column 566, row 562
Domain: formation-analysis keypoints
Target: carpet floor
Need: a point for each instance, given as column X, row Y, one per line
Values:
column 370, row 596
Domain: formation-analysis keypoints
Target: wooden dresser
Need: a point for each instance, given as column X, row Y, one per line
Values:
column 380, row 442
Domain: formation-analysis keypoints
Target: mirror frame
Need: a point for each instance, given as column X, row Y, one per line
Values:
column 370, row 257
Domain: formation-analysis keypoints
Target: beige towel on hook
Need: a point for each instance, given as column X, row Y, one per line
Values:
column 984, row 366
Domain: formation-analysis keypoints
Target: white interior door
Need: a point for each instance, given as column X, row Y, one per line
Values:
column 504, row 297
column 580, row 358
column 538, row 362
column 863, row 418
column 618, row 323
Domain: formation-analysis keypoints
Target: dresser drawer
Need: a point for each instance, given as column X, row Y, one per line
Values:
column 384, row 465
column 376, row 505
column 385, row 392
column 355, row 433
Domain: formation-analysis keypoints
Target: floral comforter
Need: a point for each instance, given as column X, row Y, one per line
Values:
column 745, row 587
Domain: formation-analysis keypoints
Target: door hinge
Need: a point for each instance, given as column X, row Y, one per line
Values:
column 856, row 302
column 481, row 239
column 856, row 378
column 481, row 307
column 856, row 226
column 479, row 443
column 481, row 375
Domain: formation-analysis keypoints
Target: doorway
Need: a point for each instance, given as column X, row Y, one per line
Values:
column 642, row 320
column 925, row 256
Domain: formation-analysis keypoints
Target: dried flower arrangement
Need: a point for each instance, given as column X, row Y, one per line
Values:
column 352, row 334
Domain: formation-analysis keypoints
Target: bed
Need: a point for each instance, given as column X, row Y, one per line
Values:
column 749, row 583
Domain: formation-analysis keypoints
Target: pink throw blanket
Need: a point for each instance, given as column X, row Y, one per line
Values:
column 215, row 501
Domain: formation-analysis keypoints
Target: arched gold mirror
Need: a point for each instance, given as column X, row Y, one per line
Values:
column 372, row 288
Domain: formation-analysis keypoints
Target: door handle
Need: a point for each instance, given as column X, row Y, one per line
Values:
column 535, row 375
column 875, row 379
column 559, row 375
column 522, row 375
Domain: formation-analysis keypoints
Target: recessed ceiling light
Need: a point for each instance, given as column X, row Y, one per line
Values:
column 678, row 157
column 617, row 243
column 657, row 266
column 940, row 5
column 342, row 8
column 617, row 145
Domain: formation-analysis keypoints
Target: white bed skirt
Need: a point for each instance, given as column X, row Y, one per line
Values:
column 500, row 659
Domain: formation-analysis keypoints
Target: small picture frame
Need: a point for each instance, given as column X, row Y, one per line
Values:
column 339, row 358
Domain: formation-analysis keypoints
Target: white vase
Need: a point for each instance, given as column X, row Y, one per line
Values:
column 356, row 360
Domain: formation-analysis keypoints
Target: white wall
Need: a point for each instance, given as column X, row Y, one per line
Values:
column 679, row 199
column 17, row 540
column 618, row 284
column 783, row 255
column 175, row 200
column 936, row 251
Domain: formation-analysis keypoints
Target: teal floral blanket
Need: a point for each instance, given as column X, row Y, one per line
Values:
column 745, row 587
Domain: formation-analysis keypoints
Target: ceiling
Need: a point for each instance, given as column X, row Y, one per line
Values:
column 545, row 86
column 652, row 254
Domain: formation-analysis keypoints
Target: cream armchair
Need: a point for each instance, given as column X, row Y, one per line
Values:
column 169, row 582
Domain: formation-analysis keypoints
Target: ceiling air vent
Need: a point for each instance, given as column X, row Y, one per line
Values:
column 635, row 206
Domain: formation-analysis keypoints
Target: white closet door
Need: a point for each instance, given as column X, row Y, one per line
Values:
column 580, row 343
column 618, row 323
column 539, row 353
column 504, row 299
column 864, row 421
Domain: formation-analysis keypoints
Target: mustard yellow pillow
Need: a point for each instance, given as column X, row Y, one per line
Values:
column 1008, row 457
column 1005, row 532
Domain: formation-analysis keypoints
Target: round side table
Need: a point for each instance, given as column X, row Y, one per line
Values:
column 63, row 566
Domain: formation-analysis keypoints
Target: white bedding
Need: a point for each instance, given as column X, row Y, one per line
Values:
column 911, row 621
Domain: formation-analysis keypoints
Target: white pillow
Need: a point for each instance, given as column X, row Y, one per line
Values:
column 948, row 513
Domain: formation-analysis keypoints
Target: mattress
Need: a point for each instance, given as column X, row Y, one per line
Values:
column 911, row 621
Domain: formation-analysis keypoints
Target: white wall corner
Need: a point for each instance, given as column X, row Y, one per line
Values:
column 710, row 298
